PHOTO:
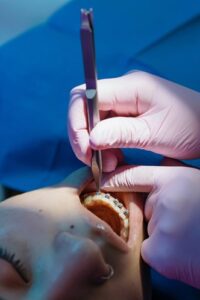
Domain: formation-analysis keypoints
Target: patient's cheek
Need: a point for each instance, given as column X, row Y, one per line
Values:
column 9, row 278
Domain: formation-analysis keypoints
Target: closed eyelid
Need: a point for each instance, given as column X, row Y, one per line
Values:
column 9, row 276
column 15, row 263
column 15, row 244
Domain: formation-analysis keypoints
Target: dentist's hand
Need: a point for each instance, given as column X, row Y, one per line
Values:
column 137, row 110
column 172, row 210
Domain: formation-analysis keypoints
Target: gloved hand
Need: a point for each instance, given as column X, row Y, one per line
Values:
column 147, row 112
column 172, row 210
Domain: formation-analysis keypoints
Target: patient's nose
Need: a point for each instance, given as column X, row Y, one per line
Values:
column 79, row 265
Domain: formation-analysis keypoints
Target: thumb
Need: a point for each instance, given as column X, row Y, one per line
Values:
column 134, row 178
column 120, row 132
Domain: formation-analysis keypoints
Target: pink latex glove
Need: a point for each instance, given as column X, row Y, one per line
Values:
column 137, row 110
column 172, row 210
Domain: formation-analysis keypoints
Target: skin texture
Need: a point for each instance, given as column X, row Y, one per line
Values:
column 65, row 249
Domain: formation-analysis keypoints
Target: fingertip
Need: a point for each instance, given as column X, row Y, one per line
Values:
column 82, row 152
column 85, row 157
column 145, row 251
column 109, row 167
column 109, row 161
column 78, row 90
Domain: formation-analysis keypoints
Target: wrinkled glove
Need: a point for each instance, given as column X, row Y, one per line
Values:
column 137, row 110
column 172, row 210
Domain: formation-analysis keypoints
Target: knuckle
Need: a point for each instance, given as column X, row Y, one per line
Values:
column 143, row 76
column 77, row 89
column 165, row 204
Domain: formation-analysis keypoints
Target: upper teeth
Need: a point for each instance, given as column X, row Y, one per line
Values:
column 89, row 200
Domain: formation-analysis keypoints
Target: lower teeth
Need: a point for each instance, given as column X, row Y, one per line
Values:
column 110, row 210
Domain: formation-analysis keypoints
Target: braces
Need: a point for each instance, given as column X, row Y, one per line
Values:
column 98, row 198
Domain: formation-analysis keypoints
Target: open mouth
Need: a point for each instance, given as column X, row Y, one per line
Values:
column 109, row 209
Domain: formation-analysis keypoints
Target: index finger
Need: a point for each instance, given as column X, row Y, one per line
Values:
column 118, row 95
column 109, row 92
column 78, row 126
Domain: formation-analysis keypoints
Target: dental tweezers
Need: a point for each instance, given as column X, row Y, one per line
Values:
column 88, row 52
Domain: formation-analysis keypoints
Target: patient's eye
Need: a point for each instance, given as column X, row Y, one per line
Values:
column 11, row 265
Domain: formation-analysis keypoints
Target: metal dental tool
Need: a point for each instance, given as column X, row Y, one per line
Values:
column 88, row 52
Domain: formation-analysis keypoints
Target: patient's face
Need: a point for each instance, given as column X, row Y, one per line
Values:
column 53, row 248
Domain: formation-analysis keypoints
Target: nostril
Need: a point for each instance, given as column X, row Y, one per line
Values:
column 103, row 278
column 78, row 263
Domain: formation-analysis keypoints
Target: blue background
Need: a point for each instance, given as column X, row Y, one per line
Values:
column 38, row 69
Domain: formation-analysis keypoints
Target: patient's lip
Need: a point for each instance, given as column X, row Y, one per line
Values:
column 102, row 229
